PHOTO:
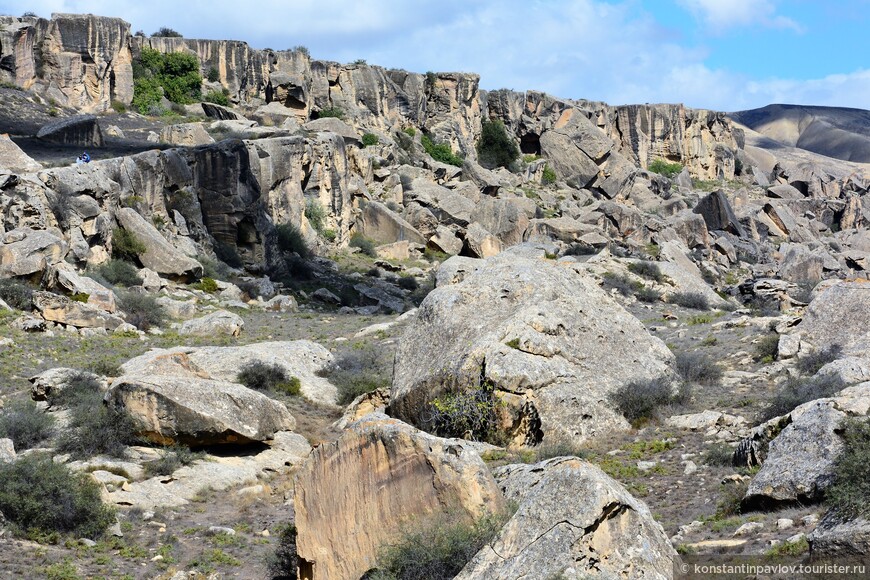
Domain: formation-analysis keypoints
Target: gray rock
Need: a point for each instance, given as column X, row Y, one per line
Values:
column 7, row 451
column 572, row 516
column 749, row 528
column 178, row 308
column 52, row 381
column 480, row 243
column 194, row 411
column 60, row 309
column 324, row 295
column 836, row 538
column 282, row 303
column 185, row 135
column 377, row 222
column 717, row 213
column 14, row 160
column 159, row 255
column 219, row 322
column 445, row 240
column 839, row 315
column 26, row 251
column 334, row 125
column 81, row 130
column 565, row 329
column 800, row 459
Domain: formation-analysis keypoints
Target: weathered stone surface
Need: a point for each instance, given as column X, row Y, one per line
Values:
column 572, row 516
column 60, row 309
column 333, row 125
column 214, row 324
column 566, row 329
column 839, row 315
column 177, row 308
column 14, row 160
column 717, row 213
column 445, row 240
column 799, row 464
column 835, row 538
column 159, row 255
column 480, row 243
column 7, row 451
column 194, row 411
column 52, row 381
column 377, row 222
column 445, row 204
column 357, row 493
column 81, row 130
column 185, row 135
column 26, row 251
column 706, row 420
column 98, row 295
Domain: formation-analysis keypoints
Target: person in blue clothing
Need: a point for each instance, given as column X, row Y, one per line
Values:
column 85, row 157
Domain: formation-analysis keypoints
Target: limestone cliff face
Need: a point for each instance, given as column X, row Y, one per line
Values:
column 82, row 61
column 703, row 141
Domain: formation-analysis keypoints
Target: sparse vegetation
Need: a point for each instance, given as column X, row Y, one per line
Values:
column 143, row 311
column 290, row 240
column 213, row 75
column 436, row 549
column 25, row 424
column 365, row 245
column 662, row 167
column 548, row 177
column 316, row 215
column 647, row 294
column 649, row 270
column 767, row 348
column 166, row 32
column 172, row 459
column 698, row 367
column 16, row 294
column 797, row 391
column 283, row 562
column 333, row 111
column 440, row 152
column 120, row 273
column 719, row 455
column 369, row 139
column 813, row 362
column 469, row 413
column 263, row 376
column 851, row 488
column 126, row 246
column 495, row 147
column 692, row 300
column 358, row 371
column 639, row 400
column 206, row 284
column 218, row 98
column 40, row 498
column 174, row 75
column 227, row 253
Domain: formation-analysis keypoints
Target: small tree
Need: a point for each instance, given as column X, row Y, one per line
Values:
column 166, row 32
column 496, row 148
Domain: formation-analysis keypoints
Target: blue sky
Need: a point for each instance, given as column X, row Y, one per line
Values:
column 718, row 54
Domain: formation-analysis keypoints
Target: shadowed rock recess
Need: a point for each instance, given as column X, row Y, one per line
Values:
column 312, row 329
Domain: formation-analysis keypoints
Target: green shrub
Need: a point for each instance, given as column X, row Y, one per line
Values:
column 95, row 429
column 39, row 497
column 549, row 176
column 119, row 107
column 697, row 367
column 648, row 270
column 227, row 253
column 621, row 284
column 105, row 367
column 282, row 563
column 365, row 245
column 848, row 494
column 692, row 300
column 262, row 376
column 797, row 391
column 143, row 311
column 767, row 348
column 206, row 284
column 408, row 283
column 662, row 167
column 214, row 75
column 120, row 272
column 369, row 139
column 290, row 240
column 301, row 50
column 647, row 294
column 172, row 459
column 25, row 424
column 470, row 413
column 639, row 400
column 316, row 215
column 357, row 372
column 495, row 147
column 217, row 97
column 174, row 75
column 580, row 249
column 16, row 294
column 719, row 455
column 335, row 112
column 437, row 548
column 125, row 245
column 810, row 364
column 441, row 152
column 166, row 32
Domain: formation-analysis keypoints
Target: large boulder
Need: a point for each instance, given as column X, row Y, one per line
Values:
column 718, row 214
column 81, row 130
column 25, row 251
column 60, row 309
column 357, row 494
column 839, row 315
column 800, row 458
column 13, row 160
column 186, row 135
column 159, row 255
column 571, row 515
column 301, row 359
column 98, row 295
column 539, row 332
column 171, row 409
column 837, row 538
column 219, row 322
column 384, row 226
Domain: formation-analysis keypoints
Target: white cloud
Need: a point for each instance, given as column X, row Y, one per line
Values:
column 721, row 15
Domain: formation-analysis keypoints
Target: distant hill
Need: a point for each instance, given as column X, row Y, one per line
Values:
column 832, row 131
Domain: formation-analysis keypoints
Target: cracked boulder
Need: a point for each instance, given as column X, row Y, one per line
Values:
column 805, row 443
column 539, row 332
column 195, row 411
column 571, row 516
column 359, row 493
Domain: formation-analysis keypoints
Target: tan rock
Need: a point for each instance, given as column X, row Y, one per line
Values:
column 356, row 494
